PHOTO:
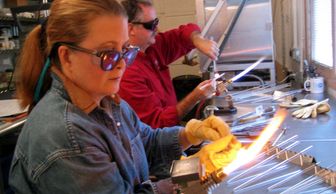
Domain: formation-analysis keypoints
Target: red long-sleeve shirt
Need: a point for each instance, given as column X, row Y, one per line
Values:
column 146, row 84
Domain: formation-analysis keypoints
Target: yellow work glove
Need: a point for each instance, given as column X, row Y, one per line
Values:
column 312, row 111
column 297, row 104
column 218, row 154
column 212, row 128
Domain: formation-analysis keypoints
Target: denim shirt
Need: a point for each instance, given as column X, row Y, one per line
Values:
column 62, row 149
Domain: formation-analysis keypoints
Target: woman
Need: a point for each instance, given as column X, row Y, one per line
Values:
column 80, row 137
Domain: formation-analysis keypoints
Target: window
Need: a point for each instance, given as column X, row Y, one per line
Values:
column 321, row 32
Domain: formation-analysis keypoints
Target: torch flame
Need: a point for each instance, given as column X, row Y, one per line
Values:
column 244, row 156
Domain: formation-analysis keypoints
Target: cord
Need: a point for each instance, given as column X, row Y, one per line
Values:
column 288, row 76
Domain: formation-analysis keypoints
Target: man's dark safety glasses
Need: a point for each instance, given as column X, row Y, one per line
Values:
column 151, row 25
column 108, row 58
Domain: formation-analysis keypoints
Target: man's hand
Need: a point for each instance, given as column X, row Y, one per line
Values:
column 204, row 89
column 205, row 46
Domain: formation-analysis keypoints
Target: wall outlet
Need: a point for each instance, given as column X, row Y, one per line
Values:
column 295, row 54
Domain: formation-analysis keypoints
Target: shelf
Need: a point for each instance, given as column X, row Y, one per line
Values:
column 28, row 8
column 8, row 19
column 31, row 8
column 9, row 51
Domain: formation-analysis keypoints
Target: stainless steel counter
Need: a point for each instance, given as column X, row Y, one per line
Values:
column 14, row 126
column 319, row 132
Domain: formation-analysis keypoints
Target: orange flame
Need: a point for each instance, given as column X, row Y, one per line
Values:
column 245, row 156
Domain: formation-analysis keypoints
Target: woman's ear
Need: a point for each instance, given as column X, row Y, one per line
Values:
column 64, row 58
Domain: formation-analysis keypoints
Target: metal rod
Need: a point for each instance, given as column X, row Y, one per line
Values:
column 303, row 185
column 260, row 90
column 267, row 181
column 326, row 189
column 308, row 185
column 279, row 136
column 318, row 140
column 276, row 166
column 259, row 167
column 280, row 168
column 314, row 191
column 293, row 138
column 308, row 179
column 289, row 178
column 264, row 161
column 260, row 99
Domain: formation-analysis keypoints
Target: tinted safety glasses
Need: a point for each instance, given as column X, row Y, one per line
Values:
column 108, row 58
column 151, row 25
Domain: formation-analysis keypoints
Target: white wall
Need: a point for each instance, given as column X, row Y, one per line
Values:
column 173, row 13
column 287, row 20
column 289, row 35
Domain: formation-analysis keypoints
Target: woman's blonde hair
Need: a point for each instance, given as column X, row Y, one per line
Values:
column 68, row 22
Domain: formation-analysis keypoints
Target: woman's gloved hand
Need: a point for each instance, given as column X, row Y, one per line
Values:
column 218, row 154
column 212, row 128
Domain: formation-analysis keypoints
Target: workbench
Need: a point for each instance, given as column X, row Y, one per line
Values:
column 318, row 132
column 8, row 128
column 9, row 132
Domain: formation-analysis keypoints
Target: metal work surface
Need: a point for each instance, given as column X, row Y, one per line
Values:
column 14, row 126
column 318, row 133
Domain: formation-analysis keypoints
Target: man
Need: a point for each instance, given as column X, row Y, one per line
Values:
column 146, row 84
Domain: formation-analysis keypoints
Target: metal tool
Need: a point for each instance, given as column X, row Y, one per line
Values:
column 226, row 107
column 252, row 125
column 259, row 112
column 189, row 174
column 209, row 110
